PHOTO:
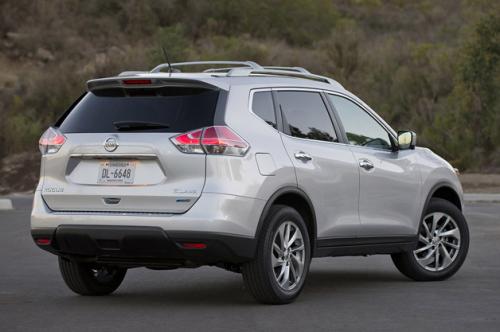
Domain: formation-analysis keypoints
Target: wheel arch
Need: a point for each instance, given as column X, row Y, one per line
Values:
column 297, row 199
column 444, row 191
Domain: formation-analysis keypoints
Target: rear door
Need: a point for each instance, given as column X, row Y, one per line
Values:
column 325, row 170
column 389, row 188
column 114, row 160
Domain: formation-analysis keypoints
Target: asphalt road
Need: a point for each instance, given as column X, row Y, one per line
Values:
column 353, row 293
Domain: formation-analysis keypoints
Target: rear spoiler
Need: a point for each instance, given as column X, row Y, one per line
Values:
column 134, row 81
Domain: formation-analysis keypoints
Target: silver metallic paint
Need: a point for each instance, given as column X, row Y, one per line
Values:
column 228, row 194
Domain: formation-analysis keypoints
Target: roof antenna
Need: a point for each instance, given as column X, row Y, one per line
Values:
column 168, row 60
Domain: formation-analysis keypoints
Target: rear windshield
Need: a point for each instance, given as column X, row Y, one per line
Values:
column 180, row 109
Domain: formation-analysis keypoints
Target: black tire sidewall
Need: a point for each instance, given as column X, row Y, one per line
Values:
column 280, row 215
column 441, row 205
column 79, row 278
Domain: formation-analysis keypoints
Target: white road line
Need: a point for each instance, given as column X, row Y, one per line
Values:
column 5, row 204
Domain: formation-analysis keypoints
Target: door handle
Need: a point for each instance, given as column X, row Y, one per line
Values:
column 366, row 164
column 302, row 156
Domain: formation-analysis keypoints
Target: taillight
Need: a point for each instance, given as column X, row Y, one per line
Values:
column 51, row 141
column 189, row 142
column 216, row 140
column 222, row 140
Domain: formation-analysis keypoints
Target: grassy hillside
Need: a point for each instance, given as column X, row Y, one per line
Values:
column 430, row 66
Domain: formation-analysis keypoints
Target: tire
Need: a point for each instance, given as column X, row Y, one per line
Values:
column 270, row 284
column 412, row 264
column 87, row 279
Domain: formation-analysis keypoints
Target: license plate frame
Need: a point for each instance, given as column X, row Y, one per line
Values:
column 116, row 172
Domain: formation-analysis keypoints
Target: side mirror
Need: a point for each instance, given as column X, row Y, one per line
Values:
column 407, row 140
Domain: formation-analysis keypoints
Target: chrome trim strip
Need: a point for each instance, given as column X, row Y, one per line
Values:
column 114, row 155
column 112, row 213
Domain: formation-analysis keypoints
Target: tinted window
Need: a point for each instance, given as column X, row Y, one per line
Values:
column 306, row 115
column 181, row 108
column 262, row 105
column 360, row 127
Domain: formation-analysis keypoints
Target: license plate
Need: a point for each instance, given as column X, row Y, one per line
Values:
column 116, row 172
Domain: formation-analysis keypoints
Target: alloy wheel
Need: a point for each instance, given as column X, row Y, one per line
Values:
column 438, row 242
column 288, row 255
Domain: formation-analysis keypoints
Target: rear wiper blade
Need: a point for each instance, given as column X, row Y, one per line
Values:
column 137, row 125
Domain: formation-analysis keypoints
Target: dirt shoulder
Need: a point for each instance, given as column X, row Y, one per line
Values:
column 480, row 183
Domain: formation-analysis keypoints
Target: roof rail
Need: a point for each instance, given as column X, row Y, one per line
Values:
column 249, row 64
column 248, row 68
column 294, row 69
column 287, row 73
column 220, row 70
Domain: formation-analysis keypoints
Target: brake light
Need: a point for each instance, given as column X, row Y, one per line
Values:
column 215, row 140
column 51, row 141
column 136, row 81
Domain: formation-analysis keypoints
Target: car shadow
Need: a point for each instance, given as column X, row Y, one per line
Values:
column 231, row 291
column 319, row 279
column 330, row 282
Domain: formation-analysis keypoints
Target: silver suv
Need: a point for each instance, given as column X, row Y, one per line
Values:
column 253, row 169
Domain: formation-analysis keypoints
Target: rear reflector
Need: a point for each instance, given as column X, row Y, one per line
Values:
column 43, row 241
column 136, row 81
column 215, row 140
column 51, row 141
column 193, row 245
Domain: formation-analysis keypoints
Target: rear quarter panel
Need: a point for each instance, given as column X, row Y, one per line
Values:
column 241, row 176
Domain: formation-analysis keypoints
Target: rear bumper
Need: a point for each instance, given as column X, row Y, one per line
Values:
column 225, row 223
column 212, row 213
column 132, row 246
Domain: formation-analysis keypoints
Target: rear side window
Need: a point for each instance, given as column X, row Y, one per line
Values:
column 179, row 108
column 306, row 115
column 263, row 107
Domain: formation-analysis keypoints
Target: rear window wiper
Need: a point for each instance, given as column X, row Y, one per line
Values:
column 138, row 125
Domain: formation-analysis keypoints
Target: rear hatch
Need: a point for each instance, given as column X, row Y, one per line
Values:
column 118, row 156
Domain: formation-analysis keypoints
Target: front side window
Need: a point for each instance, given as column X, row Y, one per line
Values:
column 306, row 115
column 263, row 107
column 361, row 129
